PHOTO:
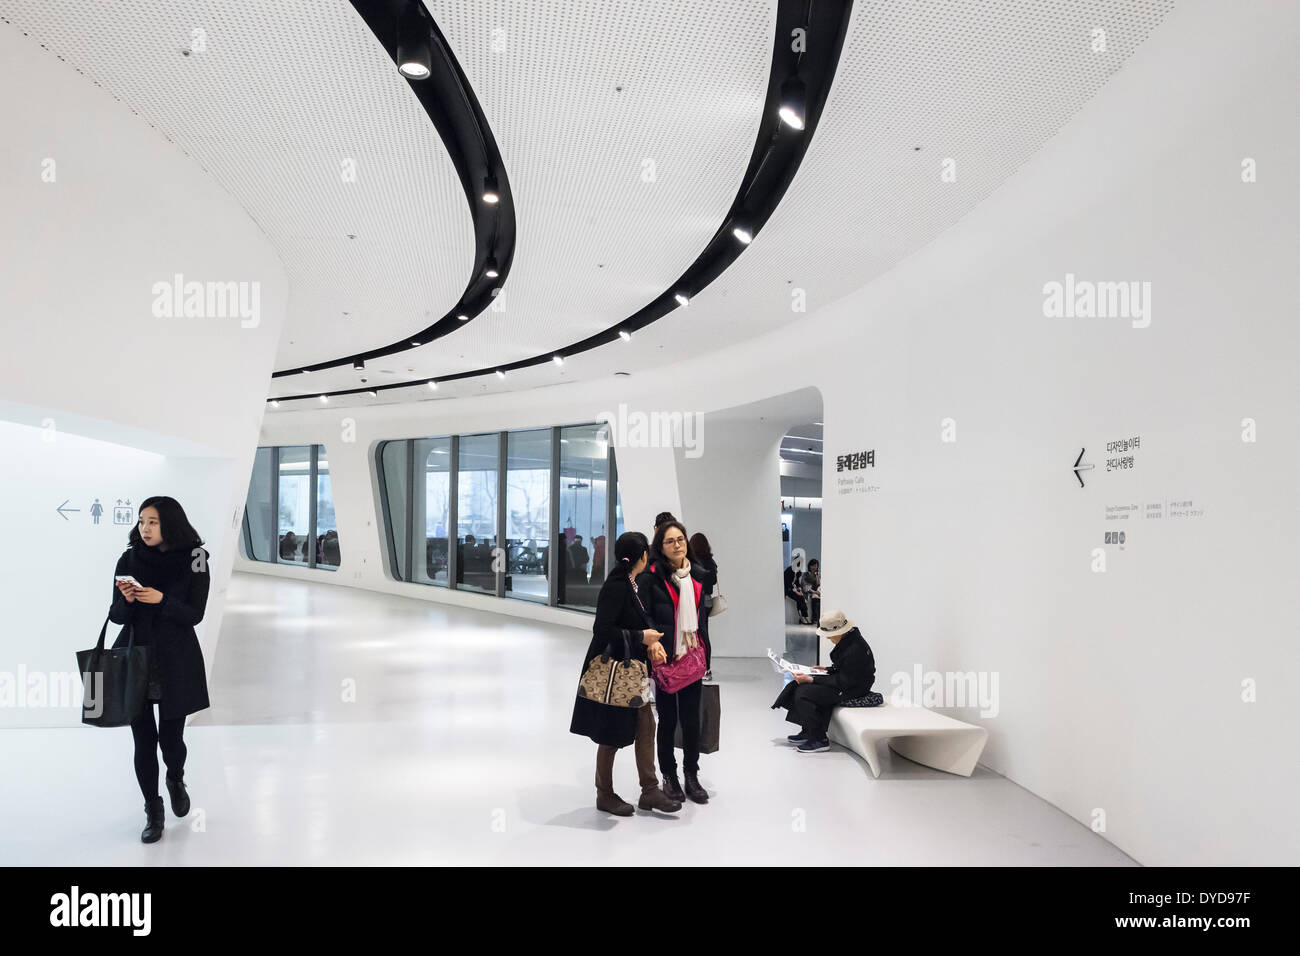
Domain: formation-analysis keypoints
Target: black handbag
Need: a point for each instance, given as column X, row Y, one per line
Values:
column 115, row 681
column 710, row 721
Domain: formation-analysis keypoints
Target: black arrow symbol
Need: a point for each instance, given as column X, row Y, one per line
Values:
column 1078, row 467
column 60, row 509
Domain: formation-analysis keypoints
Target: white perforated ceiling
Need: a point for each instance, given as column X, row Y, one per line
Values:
column 986, row 83
column 273, row 100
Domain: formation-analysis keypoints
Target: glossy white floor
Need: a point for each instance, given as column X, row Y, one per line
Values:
column 456, row 749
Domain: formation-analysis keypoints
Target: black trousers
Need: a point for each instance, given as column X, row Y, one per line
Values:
column 811, row 708
column 149, row 737
column 684, row 706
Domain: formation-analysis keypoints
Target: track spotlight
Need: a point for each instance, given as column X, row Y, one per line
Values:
column 741, row 232
column 490, row 269
column 433, row 386
column 500, row 374
column 490, row 194
column 681, row 299
column 359, row 364
column 274, row 403
column 625, row 335
column 463, row 317
column 413, row 342
column 324, row 399
column 793, row 99
column 372, row 393
column 414, row 56
column 557, row 359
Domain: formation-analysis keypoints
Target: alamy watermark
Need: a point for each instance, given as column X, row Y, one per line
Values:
column 178, row 299
column 921, row 688
column 1085, row 299
column 656, row 429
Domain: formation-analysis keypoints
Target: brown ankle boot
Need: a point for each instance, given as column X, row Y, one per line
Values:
column 656, row 799
column 612, row 803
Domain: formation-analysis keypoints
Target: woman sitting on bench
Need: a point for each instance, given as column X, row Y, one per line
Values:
column 809, row 700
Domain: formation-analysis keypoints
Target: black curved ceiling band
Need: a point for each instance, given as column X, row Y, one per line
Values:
column 778, row 151
column 450, row 102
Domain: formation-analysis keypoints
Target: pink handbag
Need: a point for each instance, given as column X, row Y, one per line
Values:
column 684, row 671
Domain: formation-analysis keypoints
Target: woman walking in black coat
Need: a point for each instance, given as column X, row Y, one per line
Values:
column 623, row 625
column 162, row 604
column 675, row 584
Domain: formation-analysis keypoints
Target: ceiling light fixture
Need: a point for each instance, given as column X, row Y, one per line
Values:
column 274, row 403
column 625, row 335
column 413, row 342
column 500, row 374
column 741, row 232
column 557, row 359
column 359, row 364
column 433, row 386
column 681, row 299
column 462, row 317
column 414, row 53
column 793, row 100
column 324, row 399
column 490, row 193
column 490, row 268
column 372, row 393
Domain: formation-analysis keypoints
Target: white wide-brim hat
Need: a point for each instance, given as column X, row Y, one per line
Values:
column 833, row 624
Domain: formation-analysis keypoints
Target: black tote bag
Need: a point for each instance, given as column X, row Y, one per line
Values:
column 115, row 681
column 710, row 721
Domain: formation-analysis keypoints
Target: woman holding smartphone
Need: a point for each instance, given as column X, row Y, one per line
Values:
column 161, row 590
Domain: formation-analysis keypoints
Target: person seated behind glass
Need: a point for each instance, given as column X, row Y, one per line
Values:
column 810, row 700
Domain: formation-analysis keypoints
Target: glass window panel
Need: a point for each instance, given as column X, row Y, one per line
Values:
column 584, row 465
column 327, row 533
column 257, row 510
column 528, row 513
column 432, row 511
column 393, row 456
column 295, row 503
column 476, row 503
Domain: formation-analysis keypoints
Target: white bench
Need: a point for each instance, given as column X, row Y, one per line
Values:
column 918, row 734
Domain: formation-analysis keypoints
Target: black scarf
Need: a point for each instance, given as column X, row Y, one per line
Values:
column 155, row 568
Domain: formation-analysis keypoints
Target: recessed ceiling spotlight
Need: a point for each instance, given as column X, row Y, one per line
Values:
column 500, row 374
column 433, row 386
column 490, row 193
column 557, row 359
column 306, row 371
column 741, row 232
column 681, row 299
column 462, row 317
column 414, row 56
column 625, row 335
column 490, row 268
column 413, row 342
column 793, row 99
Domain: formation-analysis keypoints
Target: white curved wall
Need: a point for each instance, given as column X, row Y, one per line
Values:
column 1123, row 694
column 98, row 207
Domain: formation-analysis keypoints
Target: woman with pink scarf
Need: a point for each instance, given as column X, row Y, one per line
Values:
column 677, row 594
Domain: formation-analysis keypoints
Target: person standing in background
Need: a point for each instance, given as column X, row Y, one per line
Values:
column 706, row 572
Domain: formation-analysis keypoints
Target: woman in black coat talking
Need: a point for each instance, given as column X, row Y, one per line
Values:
column 623, row 627
column 166, row 597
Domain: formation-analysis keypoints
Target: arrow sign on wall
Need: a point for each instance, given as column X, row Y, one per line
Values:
column 1078, row 467
column 61, row 508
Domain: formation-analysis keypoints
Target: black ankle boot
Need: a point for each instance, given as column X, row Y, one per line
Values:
column 673, row 789
column 153, row 809
column 693, row 789
column 180, row 799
